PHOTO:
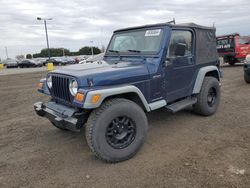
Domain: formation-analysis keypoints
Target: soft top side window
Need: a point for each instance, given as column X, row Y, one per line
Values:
column 180, row 36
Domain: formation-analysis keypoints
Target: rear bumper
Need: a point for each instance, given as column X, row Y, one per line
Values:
column 62, row 116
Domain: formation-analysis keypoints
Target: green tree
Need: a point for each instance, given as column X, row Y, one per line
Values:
column 58, row 52
column 28, row 56
column 37, row 55
column 54, row 52
column 87, row 50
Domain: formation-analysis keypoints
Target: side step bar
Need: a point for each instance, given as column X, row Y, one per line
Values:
column 180, row 105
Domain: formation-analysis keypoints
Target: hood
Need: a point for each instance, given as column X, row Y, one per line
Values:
column 101, row 73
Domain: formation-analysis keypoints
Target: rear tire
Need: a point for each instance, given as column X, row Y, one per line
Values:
column 116, row 131
column 246, row 78
column 209, row 97
column 232, row 61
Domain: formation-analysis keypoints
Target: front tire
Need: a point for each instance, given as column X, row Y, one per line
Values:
column 116, row 131
column 246, row 78
column 209, row 97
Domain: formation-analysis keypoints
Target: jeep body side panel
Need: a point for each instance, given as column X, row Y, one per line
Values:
column 156, row 74
column 201, row 75
column 180, row 71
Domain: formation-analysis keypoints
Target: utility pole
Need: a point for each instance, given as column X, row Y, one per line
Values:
column 92, row 50
column 6, row 51
column 46, row 31
column 63, row 52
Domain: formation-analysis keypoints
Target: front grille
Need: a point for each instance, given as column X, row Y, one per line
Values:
column 60, row 88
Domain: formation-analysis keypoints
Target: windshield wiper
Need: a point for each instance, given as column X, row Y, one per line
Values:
column 118, row 53
column 136, row 51
column 115, row 51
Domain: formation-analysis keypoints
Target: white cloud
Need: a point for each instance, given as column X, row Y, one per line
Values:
column 76, row 22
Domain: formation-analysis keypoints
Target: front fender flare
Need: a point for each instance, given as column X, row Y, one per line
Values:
column 104, row 93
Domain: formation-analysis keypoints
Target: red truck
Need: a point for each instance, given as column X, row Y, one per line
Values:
column 233, row 48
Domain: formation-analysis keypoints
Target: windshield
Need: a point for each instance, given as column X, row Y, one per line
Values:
column 244, row 40
column 225, row 44
column 144, row 41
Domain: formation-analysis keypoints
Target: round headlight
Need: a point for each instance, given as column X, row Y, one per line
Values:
column 49, row 81
column 73, row 87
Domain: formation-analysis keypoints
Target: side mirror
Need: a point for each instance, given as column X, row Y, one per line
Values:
column 180, row 49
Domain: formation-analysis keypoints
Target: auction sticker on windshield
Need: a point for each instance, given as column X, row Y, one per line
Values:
column 155, row 32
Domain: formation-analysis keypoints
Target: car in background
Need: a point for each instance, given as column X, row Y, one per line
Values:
column 92, row 59
column 61, row 60
column 247, row 69
column 52, row 60
column 40, row 60
column 10, row 63
column 80, row 58
column 233, row 48
column 29, row 63
column 66, row 60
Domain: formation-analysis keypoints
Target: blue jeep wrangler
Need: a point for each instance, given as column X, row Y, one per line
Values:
column 144, row 68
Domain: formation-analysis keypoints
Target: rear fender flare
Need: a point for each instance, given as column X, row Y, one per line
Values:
column 201, row 75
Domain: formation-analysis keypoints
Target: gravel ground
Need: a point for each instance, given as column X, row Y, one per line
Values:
column 14, row 71
column 182, row 149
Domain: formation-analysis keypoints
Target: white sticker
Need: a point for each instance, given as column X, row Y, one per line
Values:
column 155, row 32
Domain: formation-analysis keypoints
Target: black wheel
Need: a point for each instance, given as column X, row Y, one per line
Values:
column 246, row 78
column 208, row 98
column 116, row 131
column 231, row 61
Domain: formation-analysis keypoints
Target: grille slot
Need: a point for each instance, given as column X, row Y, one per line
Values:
column 60, row 87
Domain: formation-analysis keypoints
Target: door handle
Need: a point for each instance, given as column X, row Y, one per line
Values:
column 167, row 62
column 190, row 60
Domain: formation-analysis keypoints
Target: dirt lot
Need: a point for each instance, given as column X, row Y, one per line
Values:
column 182, row 150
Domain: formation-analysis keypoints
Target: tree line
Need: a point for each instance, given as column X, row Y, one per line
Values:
column 58, row 52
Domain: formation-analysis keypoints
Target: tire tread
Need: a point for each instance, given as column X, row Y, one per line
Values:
column 90, row 125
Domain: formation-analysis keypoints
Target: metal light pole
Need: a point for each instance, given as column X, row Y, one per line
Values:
column 46, row 31
column 63, row 52
column 6, row 51
column 92, row 50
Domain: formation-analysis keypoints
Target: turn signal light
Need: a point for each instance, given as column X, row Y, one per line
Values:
column 40, row 85
column 79, row 97
column 96, row 98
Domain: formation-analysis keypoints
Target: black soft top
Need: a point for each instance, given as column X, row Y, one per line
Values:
column 205, row 48
column 185, row 25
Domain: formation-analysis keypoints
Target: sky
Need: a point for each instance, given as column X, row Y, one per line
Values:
column 78, row 22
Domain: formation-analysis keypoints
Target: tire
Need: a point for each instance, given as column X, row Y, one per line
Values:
column 232, row 61
column 246, row 78
column 209, row 97
column 103, row 122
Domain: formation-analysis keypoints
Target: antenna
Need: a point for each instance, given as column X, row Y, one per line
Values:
column 172, row 21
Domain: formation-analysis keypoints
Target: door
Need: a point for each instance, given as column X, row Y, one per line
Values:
column 180, row 70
